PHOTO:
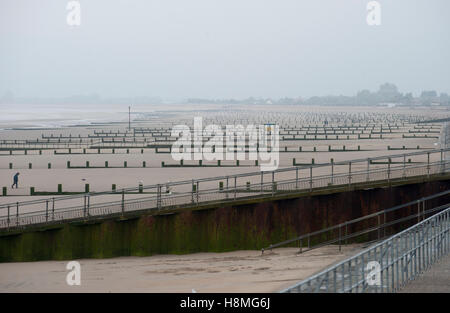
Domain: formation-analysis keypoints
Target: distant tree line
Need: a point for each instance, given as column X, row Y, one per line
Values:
column 387, row 94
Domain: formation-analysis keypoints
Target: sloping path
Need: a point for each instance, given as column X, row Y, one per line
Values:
column 435, row 279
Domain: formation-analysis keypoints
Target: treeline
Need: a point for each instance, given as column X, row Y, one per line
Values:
column 387, row 94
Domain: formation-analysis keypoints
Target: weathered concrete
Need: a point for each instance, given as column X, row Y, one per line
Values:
column 216, row 229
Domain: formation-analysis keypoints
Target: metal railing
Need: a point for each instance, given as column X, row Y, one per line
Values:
column 388, row 265
column 231, row 188
column 380, row 224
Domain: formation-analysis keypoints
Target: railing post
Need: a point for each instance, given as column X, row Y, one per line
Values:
column 123, row 201
column 158, row 197
column 17, row 213
column 368, row 166
column 379, row 231
column 46, row 210
column 53, row 209
column 349, row 173
column 296, row 178
column 273, row 183
column 389, row 170
column 84, row 208
column 418, row 211
column 363, row 267
column 228, row 186
column 442, row 161
column 332, row 171
column 428, row 164
column 340, row 239
column 423, row 210
column 301, row 247
column 404, row 166
column 262, row 180
column 334, row 280
column 8, row 217
column 310, row 179
column 196, row 191
column 350, row 284
column 192, row 191
column 235, row 186
column 346, row 233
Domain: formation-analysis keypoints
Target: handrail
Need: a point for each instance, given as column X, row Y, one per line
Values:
column 398, row 259
column 136, row 189
column 231, row 192
column 249, row 174
column 359, row 219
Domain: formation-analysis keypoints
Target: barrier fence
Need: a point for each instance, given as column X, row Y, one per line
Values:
column 376, row 226
column 230, row 188
column 388, row 265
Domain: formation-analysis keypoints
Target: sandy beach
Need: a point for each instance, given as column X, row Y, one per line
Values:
column 101, row 179
column 237, row 271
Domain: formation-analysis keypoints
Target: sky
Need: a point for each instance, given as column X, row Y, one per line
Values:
column 222, row 48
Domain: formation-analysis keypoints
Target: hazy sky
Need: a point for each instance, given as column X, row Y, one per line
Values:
column 222, row 48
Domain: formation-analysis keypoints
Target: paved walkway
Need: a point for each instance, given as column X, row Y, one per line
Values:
column 436, row 279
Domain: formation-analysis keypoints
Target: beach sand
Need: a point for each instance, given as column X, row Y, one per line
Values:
column 237, row 271
column 57, row 121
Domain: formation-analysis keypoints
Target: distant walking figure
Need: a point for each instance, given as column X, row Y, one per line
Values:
column 16, row 181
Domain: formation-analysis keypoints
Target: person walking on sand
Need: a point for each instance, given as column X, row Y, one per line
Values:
column 16, row 181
